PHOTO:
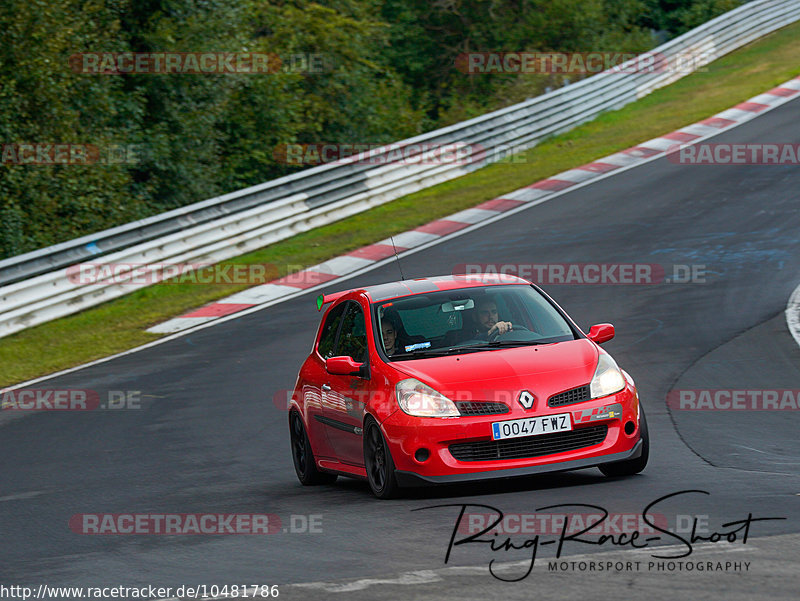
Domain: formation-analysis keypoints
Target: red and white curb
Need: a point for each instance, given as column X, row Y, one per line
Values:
column 356, row 260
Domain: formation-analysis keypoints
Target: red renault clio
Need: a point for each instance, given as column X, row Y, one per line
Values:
column 458, row 378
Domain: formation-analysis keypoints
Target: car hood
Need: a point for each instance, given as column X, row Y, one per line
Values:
column 501, row 374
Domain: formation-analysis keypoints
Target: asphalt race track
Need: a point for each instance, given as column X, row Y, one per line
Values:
column 209, row 438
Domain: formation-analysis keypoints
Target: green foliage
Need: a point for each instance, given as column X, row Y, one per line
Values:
column 387, row 73
column 679, row 16
column 43, row 101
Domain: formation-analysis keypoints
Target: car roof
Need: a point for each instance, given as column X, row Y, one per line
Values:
column 389, row 290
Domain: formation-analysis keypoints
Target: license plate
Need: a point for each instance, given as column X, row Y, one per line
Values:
column 531, row 426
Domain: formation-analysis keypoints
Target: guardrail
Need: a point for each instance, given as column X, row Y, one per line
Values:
column 35, row 287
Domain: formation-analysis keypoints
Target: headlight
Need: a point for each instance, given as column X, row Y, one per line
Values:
column 607, row 379
column 416, row 398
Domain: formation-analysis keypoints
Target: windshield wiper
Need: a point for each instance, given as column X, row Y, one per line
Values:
column 436, row 352
column 469, row 348
column 502, row 343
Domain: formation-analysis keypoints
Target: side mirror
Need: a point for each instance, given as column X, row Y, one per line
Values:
column 343, row 366
column 601, row 332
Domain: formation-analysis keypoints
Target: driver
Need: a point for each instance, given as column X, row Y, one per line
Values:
column 487, row 319
column 391, row 326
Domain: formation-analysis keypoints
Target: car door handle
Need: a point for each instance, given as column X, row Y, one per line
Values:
column 326, row 387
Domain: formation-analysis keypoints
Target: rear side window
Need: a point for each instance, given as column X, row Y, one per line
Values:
column 353, row 336
column 327, row 342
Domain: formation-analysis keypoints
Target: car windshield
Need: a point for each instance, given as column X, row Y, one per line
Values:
column 468, row 320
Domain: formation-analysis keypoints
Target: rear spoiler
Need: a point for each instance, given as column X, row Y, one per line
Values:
column 324, row 299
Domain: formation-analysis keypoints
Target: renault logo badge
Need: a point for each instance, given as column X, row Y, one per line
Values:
column 526, row 399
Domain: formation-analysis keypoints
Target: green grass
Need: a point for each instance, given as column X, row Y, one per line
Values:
column 121, row 324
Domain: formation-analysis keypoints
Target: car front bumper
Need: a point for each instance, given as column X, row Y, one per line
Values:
column 414, row 479
column 406, row 435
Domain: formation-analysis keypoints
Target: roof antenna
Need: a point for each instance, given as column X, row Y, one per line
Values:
column 400, row 267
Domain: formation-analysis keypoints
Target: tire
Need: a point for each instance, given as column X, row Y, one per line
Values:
column 631, row 466
column 303, row 458
column 378, row 463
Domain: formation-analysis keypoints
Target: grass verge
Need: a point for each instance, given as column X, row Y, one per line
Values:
column 120, row 324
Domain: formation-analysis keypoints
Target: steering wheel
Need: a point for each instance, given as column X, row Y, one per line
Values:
column 514, row 328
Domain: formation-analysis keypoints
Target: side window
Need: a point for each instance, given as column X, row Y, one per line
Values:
column 353, row 338
column 329, row 330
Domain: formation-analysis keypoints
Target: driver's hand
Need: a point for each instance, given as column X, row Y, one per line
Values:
column 500, row 328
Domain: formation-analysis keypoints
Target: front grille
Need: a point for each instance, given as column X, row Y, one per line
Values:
column 481, row 408
column 568, row 397
column 529, row 446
